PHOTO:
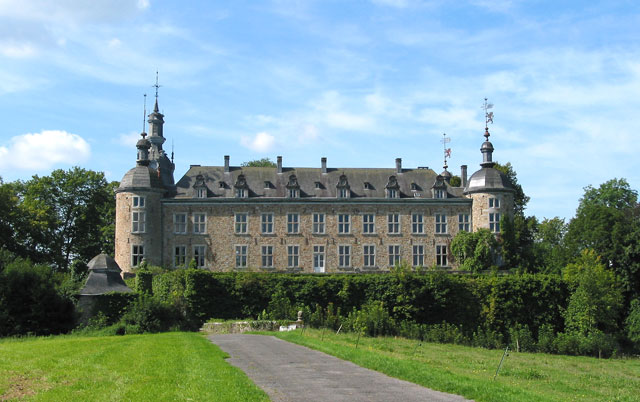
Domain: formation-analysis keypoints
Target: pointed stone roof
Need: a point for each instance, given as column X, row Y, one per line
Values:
column 104, row 277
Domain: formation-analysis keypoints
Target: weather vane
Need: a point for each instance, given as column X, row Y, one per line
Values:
column 156, row 86
column 488, row 117
column 447, row 151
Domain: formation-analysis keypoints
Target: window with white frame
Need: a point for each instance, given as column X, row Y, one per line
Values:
column 137, row 201
column 392, row 193
column 344, row 256
column 241, row 193
column 241, row 255
column 137, row 254
column 138, row 224
column 494, row 202
column 179, row 256
column 199, row 223
column 418, row 255
column 266, row 223
column 441, row 255
column 241, row 222
column 343, row 193
column 439, row 193
column 293, row 193
column 318, row 258
column 417, row 224
column 494, row 222
column 368, row 223
column 344, row 223
column 267, row 257
column 393, row 223
column 201, row 192
column 180, row 223
column 198, row 255
column 441, row 223
column 293, row 256
column 293, row 223
column 318, row 223
column 463, row 222
column 394, row 254
column 369, row 253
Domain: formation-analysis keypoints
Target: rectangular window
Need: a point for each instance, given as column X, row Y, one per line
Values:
column 439, row 193
column 293, row 223
column 463, row 222
column 293, row 256
column 393, row 221
column 241, row 256
column 343, row 193
column 137, row 254
column 418, row 255
column 138, row 202
column 267, row 256
column 441, row 255
column 494, row 222
column 394, row 255
column 198, row 255
column 318, row 258
column 293, row 193
column 179, row 256
column 201, row 193
column 344, row 223
column 241, row 223
column 138, row 222
column 494, row 202
column 417, row 225
column 392, row 193
column 344, row 256
column 441, row 223
column 241, row 193
column 180, row 223
column 199, row 223
column 369, row 255
column 266, row 225
column 318, row 223
column 368, row 224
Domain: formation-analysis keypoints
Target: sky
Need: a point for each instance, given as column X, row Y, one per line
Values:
column 359, row 82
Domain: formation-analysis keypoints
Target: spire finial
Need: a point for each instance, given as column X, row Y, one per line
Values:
column 144, row 112
column 447, row 151
column 488, row 117
column 156, row 86
column 172, row 150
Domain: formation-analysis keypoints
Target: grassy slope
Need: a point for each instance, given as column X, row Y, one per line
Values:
column 469, row 371
column 170, row 366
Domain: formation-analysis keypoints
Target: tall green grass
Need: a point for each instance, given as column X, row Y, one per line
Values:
column 168, row 366
column 469, row 371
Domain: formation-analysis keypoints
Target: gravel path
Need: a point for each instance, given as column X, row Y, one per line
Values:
column 289, row 372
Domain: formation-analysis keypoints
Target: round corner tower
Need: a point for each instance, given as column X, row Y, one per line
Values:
column 139, row 212
column 491, row 192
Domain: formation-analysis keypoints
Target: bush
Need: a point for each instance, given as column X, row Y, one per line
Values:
column 521, row 339
column 149, row 314
column 546, row 339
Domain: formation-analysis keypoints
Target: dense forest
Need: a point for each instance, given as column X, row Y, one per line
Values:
column 51, row 226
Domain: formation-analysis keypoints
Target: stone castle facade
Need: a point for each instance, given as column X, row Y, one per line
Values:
column 288, row 219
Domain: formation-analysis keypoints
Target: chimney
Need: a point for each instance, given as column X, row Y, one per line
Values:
column 279, row 164
column 323, row 162
column 463, row 175
column 398, row 165
column 226, row 163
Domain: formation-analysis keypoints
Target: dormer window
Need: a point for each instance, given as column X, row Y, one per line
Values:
column 392, row 188
column 267, row 184
column 201, row 192
column 293, row 188
column 241, row 187
column 439, row 189
column 368, row 186
column 222, row 184
column 200, row 188
column 438, row 194
column 319, row 185
column 414, row 187
column 344, row 190
column 241, row 193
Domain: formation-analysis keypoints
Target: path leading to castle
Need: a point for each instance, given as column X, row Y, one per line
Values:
column 289, row 372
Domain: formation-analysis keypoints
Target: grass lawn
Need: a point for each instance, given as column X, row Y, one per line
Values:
column 169, row 366
column 469, row 371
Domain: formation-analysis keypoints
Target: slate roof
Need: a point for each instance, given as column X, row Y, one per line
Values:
column 104, row 277
column 266, row 182
column 488, row 179
column 141, row 177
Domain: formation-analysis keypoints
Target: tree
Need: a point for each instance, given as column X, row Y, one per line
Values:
column 264, row 162
column 520, row 199
column 549, row 250
column 632, row 323
column 71, row 214
column 516, row 241
column 474, row 251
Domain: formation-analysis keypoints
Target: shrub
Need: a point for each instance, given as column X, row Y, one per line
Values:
column 149, row 314
column 521, row 339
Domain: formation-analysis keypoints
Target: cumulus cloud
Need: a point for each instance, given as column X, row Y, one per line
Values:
column 43, row 150
column 129, row 139
column 261, row 142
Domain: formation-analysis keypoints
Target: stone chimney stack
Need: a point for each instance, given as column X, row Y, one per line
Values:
column 463, row 176
column 323, row 162
column 398, row 165
column 279, row 164
column 226, row 163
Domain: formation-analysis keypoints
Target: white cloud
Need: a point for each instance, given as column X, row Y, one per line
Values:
column 129, row 139
column 15, row 50
column 261, row 142
column 43, row 150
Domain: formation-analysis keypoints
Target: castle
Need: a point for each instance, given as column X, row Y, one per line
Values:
column 286, row 219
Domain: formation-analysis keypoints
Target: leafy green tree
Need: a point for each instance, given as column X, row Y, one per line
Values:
column 632, row 323
column 549, row 249
column 264, row 162
column 455, row 181
column 516, row 241
column 475, row 251
column 520, row 199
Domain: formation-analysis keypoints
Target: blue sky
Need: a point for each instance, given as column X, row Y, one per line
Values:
column 360, row 82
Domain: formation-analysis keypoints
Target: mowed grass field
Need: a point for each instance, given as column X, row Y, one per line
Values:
column 469, row 371
column 168, row 366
